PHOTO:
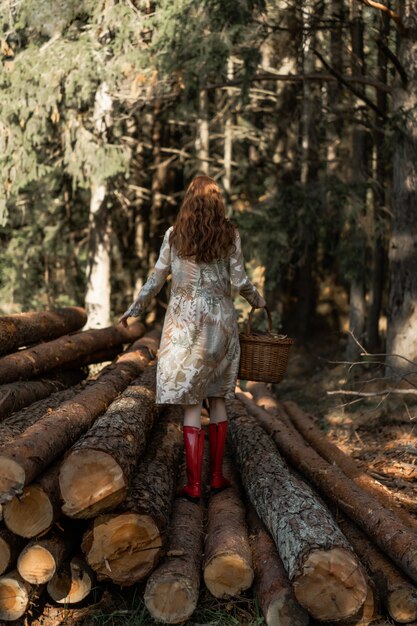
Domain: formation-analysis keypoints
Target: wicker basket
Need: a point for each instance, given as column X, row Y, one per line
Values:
column 263, row 357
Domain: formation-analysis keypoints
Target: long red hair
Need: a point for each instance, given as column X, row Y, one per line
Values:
column 201, row 229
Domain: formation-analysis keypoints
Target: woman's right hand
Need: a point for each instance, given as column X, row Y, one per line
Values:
column 123, row 319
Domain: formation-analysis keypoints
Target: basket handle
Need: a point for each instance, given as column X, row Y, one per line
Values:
column 250, row 316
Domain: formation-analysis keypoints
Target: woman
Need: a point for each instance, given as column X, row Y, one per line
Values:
column 199, row 352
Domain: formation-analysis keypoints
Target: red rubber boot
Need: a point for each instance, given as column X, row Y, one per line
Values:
column 194, row 445
column 217, row 439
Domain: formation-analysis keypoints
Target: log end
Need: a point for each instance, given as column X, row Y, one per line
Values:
column 91, row 481
column 402, row 604
column 12, row 479
column 29, row 514
column 123, row 548
column 14, row 597
column 72, row 583
column 5, row 555
column 331, row 585
column 36, row 564
column 169, row 600
column 285, row 611
column 227, row 575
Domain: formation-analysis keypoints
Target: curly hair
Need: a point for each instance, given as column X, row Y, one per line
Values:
column 201, row 229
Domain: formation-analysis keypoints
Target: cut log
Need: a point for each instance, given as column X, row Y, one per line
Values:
column 95, row 474
column 37, row 508
column 172, row 590
column 22, row 460
column 51, row 354
column 23, row 329
column 227, row 556
column 16, row 396
column 125, row 546
column 384, row 526
column 273, row 589
column 100, row 356
column 72, row 583
column 16, row 596
column 41, row 558
column 304, row 423
column 397, row 592
column 10, row 548
column 327, row 579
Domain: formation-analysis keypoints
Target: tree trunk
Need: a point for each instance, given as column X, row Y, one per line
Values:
column 97, row 298
column 227, row 555
column 171, row 593
column 34, row 511
column 10, row 548
column 95, row 475
column 327, row 579
column 334, row 455
column 40, row 559
column 402, row 318
column 16, row 396
column 273, row 589
column 16, row 596
column 23, row 329
column 395, row 590
column 31, row 452
column 46, row 356
column 384, row 526
column 202, row 142
column 125, row 546
column 72, row 582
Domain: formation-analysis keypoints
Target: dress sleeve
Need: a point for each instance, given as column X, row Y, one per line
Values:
column 240, row 279
column 155, row 280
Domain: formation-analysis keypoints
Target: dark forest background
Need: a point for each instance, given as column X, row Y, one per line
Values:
column 304, row 112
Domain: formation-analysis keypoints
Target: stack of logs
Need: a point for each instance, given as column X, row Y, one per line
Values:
column 89, row 469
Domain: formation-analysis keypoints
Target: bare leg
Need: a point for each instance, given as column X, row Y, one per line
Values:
column 217, row 410
column 192, row 413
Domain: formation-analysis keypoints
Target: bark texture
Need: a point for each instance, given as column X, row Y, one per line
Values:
column 16, row 396
column 172, row 590
column 227, row 554
column 327, row 579
column 273, row 589
column 396, row 591
column 95, row 474
column 125, row 546
column 46, row 356
column 22, row 460
column 334, row 455
column 23, row 329
column 384, row 526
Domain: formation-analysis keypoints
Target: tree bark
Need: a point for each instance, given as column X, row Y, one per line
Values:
column 72, row 582
column 402, row 311
column 273, row 589
column 10, row 548
column 202, row 142
column 334, row 455
column 23, row 329
column 34, row 511
column 16, row 596
column 227, row 555
column 44, row 357
column 171, row 593
column 95, row 474
column 395, row 590
column 327, row 579
column 384, row 526
column 40, row 559
column 16, row 396
column 125, row 546
column 22, row 460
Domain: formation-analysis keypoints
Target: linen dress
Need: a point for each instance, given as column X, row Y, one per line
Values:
column 199, row 351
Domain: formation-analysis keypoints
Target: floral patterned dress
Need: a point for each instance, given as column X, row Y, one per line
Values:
column 199, row 351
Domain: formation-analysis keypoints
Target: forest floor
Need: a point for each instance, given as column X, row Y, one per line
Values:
column 380, row 432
